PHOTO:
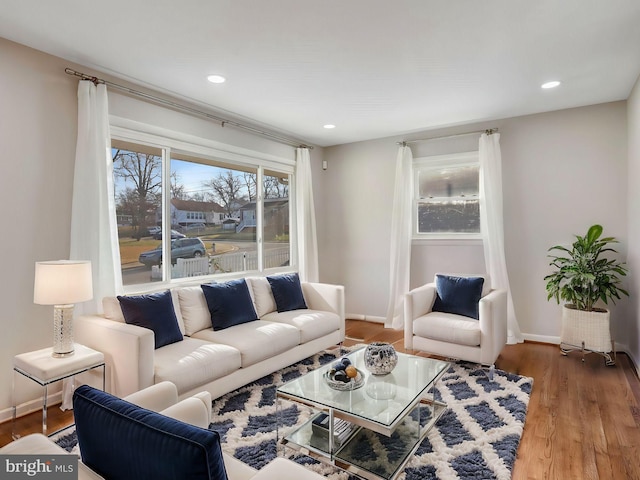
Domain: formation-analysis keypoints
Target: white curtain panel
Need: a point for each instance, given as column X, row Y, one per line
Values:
column 306, row 219
column 400, row 239
column 493, row 226
column 94, row 233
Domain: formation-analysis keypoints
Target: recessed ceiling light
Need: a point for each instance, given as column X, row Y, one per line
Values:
column 216, row 79
column 552, row 84
column 329, row 126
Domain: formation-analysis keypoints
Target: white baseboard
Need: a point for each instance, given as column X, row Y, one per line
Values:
column 30, row 407
column 542, row 338
column 366, row 318
column 634, row 361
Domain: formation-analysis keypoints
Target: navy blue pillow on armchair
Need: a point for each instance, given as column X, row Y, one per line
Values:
column 458, row 295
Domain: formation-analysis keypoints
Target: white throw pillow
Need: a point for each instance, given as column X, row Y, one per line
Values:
column 194, row 310
column 262, row 295
column 112, row 310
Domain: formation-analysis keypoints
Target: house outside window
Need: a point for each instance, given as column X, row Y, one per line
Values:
column 447, row 197
column 166, row 194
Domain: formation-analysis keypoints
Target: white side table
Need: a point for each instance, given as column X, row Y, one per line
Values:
column 44, row 369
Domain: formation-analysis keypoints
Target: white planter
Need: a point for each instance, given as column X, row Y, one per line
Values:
column 586, row 331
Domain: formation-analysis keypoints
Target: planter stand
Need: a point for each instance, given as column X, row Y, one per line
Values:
column 588, row 332
column 565, row 348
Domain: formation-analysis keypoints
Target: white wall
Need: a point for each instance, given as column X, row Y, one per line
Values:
column 37, row 148
column 563, row 171
column 38, row 122
column 632, row 331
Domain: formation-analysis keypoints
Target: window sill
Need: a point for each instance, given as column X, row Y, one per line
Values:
column 447, row 242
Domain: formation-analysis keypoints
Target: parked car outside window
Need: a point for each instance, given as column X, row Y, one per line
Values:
column 174, row 234
column 180, row 248
column 195, row 226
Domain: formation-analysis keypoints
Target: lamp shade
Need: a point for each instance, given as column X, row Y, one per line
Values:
column 62, row 282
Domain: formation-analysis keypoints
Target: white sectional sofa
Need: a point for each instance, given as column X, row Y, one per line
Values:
column 215, row 361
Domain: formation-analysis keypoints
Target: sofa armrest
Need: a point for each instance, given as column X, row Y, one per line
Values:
column 326, row 297
column 280, row 468
column 205, row 398
column 493, row 325
column 417, row 302
column 236, row 470
column 190, row 410
column 128, row 351
column 163, row 398
column 156, row 397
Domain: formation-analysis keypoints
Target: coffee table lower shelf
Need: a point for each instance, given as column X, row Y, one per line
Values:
column 351, row 456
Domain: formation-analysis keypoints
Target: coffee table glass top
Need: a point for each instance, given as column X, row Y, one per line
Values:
column 382, row 402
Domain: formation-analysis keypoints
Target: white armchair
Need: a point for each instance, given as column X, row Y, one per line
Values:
column 457, row 336
column 196, row 410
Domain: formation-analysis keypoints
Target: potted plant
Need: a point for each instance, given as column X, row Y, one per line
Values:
column 584, row 276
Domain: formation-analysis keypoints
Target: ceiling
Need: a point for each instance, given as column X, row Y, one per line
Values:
column 374, row 68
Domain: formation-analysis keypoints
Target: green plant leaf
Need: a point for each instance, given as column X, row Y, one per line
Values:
column 582, row 274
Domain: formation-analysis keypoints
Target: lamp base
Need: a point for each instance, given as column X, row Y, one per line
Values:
column 62, row 354
column 62, row 331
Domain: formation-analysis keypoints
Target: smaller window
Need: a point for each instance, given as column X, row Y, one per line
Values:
column 447, row 196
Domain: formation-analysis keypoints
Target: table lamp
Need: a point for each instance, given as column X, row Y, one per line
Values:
column 62, row 283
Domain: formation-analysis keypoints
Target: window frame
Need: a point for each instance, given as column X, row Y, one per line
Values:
column 212, row 151
column 462, row 159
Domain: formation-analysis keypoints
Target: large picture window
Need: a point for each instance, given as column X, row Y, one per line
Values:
column 446, row 196
column 195, row 214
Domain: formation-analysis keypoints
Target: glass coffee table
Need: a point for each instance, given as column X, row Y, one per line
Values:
column 373, row 430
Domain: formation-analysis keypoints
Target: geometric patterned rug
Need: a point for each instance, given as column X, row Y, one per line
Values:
column 476, row 438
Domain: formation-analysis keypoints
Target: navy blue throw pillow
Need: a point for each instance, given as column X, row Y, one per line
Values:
column 229, row 303
column 121, row 440
column 459, row 295
column 287, row 292
column 155, row 312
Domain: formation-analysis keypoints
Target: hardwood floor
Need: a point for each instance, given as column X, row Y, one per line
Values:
column 583, row 420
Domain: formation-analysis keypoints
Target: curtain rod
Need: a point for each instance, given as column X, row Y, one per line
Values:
column 186, row 108
column 488, row 131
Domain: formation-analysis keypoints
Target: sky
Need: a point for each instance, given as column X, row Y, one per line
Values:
column 190, row 174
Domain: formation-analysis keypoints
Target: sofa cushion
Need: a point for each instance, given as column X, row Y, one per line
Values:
column 194, row 309
column 193, row 362
column 311, row 323
column 287, row 292
column 121, row 440
column 256, row 341
column 229, row 303
column 262, row 295
column 449, row 328
column 458, row 295
column 155, row 312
